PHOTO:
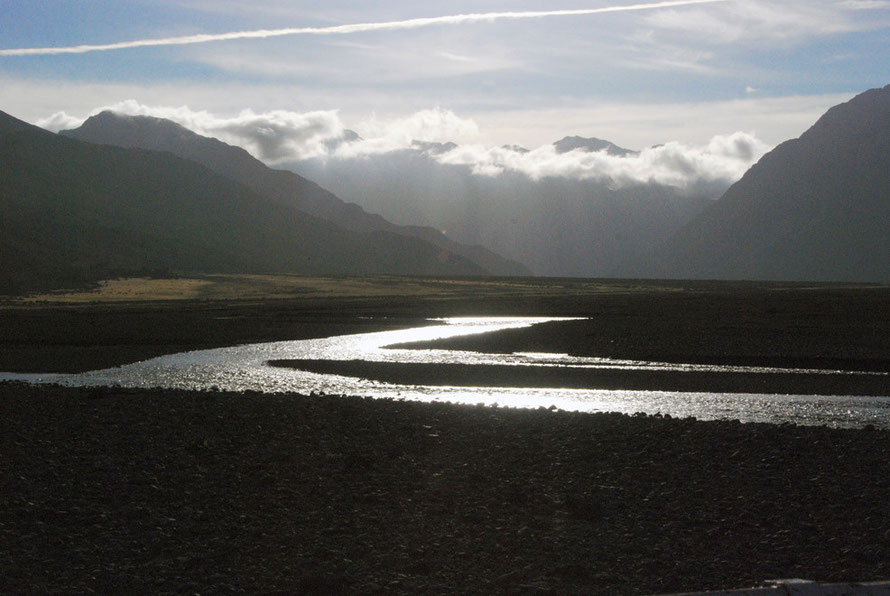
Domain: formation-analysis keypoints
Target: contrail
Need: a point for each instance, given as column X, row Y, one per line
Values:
column 344, row 29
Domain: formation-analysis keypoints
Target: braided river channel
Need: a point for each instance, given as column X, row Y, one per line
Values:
column 247, row 368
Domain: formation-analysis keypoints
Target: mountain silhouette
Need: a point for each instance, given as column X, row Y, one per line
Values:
column 590, row 144
column 280, row 186
column 814, row 208
column 74, row 211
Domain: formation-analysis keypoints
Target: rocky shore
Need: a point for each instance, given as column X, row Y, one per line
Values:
column 113, row 490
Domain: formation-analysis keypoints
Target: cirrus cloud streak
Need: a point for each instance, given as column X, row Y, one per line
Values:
column 344, row 29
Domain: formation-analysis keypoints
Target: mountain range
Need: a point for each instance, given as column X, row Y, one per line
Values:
column 74, row 211
column 280, row 186
column 140, row 195
column 813, row 208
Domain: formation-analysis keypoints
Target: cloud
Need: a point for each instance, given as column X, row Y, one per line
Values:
column 456, row 57
column 395, row 61
column 276, row 136
column 59, row 121
column 271, row 136
column 279, row 136
column 640, row 124
column 667, row 58
column 722, row 161
column 866, row 4
column 427, row 126
column 500, row 120
column 344, row 29
column 756, row 22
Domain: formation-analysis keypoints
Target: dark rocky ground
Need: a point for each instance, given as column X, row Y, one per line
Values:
column 161, row 491
column 113, row 490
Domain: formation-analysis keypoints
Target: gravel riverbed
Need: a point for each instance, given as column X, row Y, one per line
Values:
column 114, row 490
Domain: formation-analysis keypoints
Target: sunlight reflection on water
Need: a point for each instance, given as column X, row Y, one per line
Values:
column 245, row 367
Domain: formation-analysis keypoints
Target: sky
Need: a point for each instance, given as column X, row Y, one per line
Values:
column 284, row 76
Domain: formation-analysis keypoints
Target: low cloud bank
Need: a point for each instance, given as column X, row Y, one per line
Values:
column 281, row 136
column 724, row 159
column 273, row 136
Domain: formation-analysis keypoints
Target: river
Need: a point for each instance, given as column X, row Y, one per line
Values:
column 245, row 368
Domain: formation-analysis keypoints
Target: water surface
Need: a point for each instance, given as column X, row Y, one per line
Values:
column 246, row 367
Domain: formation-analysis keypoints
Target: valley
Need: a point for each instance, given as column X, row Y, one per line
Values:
column 444, row 298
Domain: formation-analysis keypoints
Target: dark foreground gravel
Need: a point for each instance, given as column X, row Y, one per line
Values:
column 112, row 490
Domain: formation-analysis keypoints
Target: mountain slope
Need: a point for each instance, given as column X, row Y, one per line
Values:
column 814, row 208
column 556, row 225
column 75, row 211
column 283, row 187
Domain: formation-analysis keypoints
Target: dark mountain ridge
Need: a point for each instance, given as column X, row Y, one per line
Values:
column 814, row 208
column 74, row 212
column 280, row 186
